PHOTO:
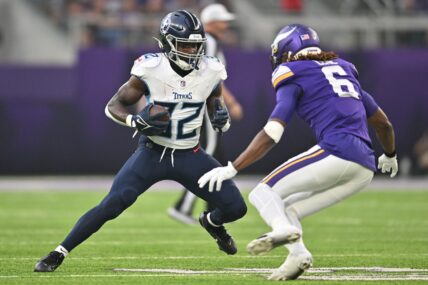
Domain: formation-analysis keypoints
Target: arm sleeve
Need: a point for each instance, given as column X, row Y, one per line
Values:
column 286, row 101
column 369, row 103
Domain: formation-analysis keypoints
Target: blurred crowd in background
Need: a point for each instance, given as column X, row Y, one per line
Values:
column 131, row 23
column 127, row 23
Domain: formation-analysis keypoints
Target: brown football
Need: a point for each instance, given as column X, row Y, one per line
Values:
column 156, row 109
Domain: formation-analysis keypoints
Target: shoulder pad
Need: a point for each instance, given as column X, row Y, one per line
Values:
column 148, row 60
column 281, row 74
column 215, row 64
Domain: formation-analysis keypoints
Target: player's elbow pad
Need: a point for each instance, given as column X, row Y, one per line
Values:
column 274, row 129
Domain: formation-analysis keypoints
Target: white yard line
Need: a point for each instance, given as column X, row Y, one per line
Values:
column 323, row 273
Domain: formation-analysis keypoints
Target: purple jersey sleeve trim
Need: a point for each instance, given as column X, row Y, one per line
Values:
column 286, row 101
column 369, row 103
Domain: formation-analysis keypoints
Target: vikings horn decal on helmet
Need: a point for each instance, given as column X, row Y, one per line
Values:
column 290, row 40
column 178, row 30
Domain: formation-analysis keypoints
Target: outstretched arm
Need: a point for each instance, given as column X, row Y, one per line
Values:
column 286, row 101
column 262, row 143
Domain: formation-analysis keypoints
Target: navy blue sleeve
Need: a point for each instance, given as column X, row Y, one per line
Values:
column 286, row 101
column 369, row 103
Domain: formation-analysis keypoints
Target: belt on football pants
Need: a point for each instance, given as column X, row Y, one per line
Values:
column 161, row 148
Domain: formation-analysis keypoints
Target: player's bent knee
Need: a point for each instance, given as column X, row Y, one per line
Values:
column 235, row 211
column 240, row 210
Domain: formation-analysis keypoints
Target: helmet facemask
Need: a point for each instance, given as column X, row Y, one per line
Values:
column 185, row 60
column 182, row 39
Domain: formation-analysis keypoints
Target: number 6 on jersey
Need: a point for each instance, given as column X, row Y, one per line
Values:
column 341, row 86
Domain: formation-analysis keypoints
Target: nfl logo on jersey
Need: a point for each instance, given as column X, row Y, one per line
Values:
column 183, row 83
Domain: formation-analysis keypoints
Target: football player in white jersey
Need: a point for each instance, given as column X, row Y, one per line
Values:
column 185, row 83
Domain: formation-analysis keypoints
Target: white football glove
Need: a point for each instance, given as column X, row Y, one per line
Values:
column 217, row 175
column 388, row 164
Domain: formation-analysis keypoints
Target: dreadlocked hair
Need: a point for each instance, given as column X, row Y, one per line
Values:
column 322, row 56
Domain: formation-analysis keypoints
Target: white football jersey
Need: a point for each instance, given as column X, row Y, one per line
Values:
column 184, row 97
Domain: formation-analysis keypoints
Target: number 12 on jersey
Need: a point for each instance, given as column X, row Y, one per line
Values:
column 341, row 86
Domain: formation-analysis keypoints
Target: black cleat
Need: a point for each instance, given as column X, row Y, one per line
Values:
column 224, row 240
column 50, row 262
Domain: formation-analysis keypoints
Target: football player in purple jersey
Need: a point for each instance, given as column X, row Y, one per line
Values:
column 325, row 92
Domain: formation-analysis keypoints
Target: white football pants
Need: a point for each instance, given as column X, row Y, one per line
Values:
column 306, row 184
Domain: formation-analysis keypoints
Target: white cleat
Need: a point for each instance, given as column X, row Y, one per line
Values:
column 294, row 266
column 269, row 241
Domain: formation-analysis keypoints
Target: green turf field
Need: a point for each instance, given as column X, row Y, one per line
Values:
column 372, row 229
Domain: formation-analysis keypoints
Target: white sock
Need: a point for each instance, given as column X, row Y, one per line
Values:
column 62, row 250
column 292, row 217
column 270, row 207
column 298, row 246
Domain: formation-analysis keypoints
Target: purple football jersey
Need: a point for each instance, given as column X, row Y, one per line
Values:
column 334, row 105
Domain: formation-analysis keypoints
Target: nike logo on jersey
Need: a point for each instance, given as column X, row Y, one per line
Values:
column 182, row 96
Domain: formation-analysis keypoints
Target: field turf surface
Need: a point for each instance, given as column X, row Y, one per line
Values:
column 375, row 237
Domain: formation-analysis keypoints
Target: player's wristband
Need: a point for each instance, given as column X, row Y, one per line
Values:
column 391, row 154
column 226, row 127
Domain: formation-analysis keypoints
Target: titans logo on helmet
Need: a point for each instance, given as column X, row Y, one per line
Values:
column 165, row 25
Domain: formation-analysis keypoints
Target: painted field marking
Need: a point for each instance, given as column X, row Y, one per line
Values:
column 374, row 273
column 269, row 270
column 321, row 274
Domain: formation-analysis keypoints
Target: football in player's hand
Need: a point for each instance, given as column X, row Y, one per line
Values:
column 159, row 113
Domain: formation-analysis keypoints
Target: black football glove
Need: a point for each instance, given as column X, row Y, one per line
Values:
column 149, row 125
column 220, row 117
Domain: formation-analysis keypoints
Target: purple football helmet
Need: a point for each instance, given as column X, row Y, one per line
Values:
column 290, row 40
